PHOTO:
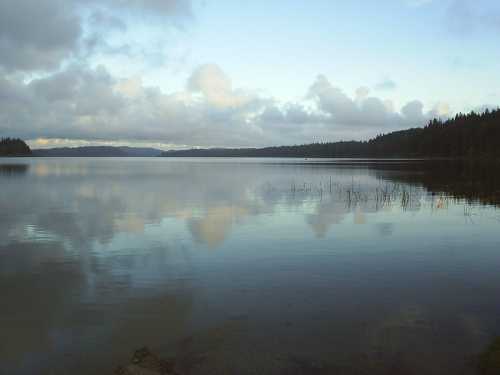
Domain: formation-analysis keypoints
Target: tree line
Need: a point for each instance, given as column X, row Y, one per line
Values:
column 471, row 135
column 13, row 147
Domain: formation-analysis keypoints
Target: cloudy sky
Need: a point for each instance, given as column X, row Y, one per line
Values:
column 179, row 73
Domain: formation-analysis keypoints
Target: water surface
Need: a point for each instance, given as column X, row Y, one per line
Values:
column 249, row 266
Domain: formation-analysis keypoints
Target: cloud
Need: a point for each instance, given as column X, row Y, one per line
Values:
column 386, row 85
column 88, row 104
column 40, row 35
column 85, row 103
column 37, row 34
column 364, row 111
column 462, row 18
column 210, row 81
column 161, row 7
column 50, row 90
column 465, row 17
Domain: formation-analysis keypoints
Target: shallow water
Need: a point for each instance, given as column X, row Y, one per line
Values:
column 251, row 266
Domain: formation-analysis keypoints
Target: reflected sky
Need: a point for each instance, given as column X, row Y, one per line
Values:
column 362, row 263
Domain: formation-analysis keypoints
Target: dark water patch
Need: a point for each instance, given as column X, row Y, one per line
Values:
column 7, row 170
column 489, row 359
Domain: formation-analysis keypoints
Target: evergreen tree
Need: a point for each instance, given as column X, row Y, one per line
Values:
column 14, row 147
column 473, row 135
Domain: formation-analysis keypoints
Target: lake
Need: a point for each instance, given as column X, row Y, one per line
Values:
column 248, row 266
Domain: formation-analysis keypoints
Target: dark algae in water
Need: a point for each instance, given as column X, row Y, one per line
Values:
column 145, row 362
column 489, row 360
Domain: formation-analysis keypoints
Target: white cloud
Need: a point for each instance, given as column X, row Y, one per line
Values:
column 216, row 88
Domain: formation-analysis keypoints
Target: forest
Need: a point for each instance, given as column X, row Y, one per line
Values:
column 464, row 136
column 14, row 147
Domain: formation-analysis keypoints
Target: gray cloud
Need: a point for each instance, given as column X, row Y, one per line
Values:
column 413, row 110
column 89, row 104
column 84, row 103
column 161, row 7
column 39, row 35
column 363, row 111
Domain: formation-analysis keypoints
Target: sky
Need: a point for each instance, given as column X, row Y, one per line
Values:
column 179, row 74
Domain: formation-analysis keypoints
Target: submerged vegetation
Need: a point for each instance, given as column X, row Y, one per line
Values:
column 473, row 182
column 14, row 147
column 146, row 362
column 353, row 195
column 472, row 135
column 489, row 360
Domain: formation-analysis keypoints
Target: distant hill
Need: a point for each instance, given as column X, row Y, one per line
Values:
column 14, row 147
column 97, row 151
column 473, row 135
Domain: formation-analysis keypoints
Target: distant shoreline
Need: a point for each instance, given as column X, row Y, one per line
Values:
column 473, row 136
column 322, row 159
column 465, row 136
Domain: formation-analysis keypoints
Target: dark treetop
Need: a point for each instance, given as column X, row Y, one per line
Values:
column 13, row 147
column 473, row 135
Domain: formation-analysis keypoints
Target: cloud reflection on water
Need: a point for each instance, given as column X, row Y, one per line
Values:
column 92, row 241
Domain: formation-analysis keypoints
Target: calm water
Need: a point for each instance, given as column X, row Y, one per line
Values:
column 247, row 266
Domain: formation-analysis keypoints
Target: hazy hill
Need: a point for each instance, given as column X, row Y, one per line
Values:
column 470, row 135
column 97, row 151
